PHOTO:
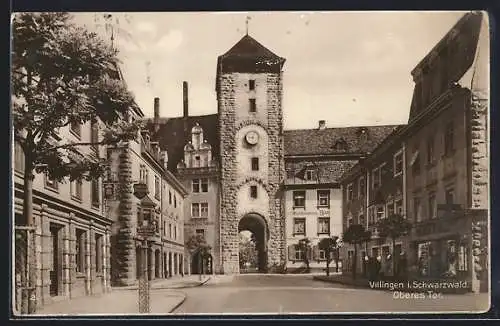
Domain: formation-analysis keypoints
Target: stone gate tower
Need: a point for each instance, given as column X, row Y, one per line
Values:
column 249, row 96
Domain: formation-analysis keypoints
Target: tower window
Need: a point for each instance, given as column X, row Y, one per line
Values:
column 255, row 164
column 251, row 84
column 253, row 191
column 253, row 105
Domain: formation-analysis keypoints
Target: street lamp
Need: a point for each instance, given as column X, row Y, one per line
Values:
column 144, row 231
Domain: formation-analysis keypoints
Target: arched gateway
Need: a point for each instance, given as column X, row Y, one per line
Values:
column 257, row 225
column 249, row 95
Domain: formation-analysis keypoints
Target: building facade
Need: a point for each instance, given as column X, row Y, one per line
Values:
column 315, row 161
column 142, row 162
column 72, row 237
column 199, row 173
column 445, row 154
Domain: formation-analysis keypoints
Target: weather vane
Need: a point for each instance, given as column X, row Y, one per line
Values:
column 246, row 23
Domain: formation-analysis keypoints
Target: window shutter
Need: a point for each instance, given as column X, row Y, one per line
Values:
column 291, row 252
column 316, row 253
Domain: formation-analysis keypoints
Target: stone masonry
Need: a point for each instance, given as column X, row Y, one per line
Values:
column 230, row 116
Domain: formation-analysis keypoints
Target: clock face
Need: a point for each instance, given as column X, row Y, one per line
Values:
column 252, row 137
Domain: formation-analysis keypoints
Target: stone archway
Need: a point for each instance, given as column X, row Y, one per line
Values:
column 256, row 224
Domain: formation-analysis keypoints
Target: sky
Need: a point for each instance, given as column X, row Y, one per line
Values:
column 348, row 68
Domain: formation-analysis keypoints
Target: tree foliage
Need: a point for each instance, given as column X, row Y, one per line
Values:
column 393, row 227
column 198, row 242
column 63, row 75
column 331, row 247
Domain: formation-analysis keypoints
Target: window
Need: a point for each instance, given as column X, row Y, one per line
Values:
column 251, row 84
column 197, row 161
column 170, row 197
column 416, row 209
column 322, row 254
column 50, row 183
column 164, row 228
column 196, row 185
column 255, row 164
column 309, row 175
column 175, row 201
column 299, row 199
column 349, row 192
column 361, row 219
column 430, row 151
column 204, row 185
column 80, row 251
column 361, row 187
column 449, row 196
column 76, row 189
column 324, row 225
column 195, row 210
column 323, row 198
column 200, row 232
column 18, row 157
column 253, row 105
column 299, row 254
column 299, row 226
column 380, row 212
column 204, row 210
column 94, row 136
column 390, row 208
column 76, row 129
column 175, row 232
column 449, row 145
column 98, row 253
column 143, row 174
column 170, row 230
column 398, row 207
column 157, row 187
column 416, row 165
column 432, row 205
column 376, row 177
column 350, row 221
column 94, row 193
column 253, row 192
column 398, row 163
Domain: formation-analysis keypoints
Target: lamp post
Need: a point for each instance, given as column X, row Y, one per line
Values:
column 144, row 231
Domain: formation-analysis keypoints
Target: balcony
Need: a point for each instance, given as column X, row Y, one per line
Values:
column 151, row 148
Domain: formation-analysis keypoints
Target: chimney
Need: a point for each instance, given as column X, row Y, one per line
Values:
column 185, row 99
column 322, row 124
column 157, row 109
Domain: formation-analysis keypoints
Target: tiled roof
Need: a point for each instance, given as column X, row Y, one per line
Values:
column 248, row 47
column 173, row 138
column 335, row 140
column 325, row 171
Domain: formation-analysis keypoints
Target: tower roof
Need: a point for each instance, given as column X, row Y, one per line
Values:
column 248, row 55
column 248, row 47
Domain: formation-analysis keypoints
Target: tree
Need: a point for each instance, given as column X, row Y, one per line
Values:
column 247, row 252
column 356, row 234
column 63, row 75
column 198, row 243
column 305, row 246
column 393, row 227
column 331, row 247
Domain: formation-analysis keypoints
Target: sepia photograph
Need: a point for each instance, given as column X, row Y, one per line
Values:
column 250, row 163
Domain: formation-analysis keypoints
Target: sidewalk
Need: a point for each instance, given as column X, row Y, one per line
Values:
column 124, row 300
column 177, row 282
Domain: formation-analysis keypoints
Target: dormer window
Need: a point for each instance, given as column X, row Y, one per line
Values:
column 340, row 145
column 309, row 175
